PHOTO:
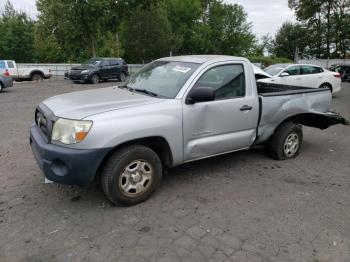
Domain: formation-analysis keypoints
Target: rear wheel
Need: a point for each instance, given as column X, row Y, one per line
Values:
column 37, row 77
column 286, row 142
column 1, row 87
column 95, row 79
column 131, row 175
column 326, row 85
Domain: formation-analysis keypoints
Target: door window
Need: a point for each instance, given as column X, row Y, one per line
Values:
column 104, row 63
column 293, row 70
column 10, row 64
column 227, row 80
column 114, row 62
column 309, row 70
column 2, row 64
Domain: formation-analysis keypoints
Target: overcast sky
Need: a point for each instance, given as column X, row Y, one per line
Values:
column 266, row 16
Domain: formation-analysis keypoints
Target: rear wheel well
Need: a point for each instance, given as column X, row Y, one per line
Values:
column 327, row 84
column 157, row 144
column 308, row 119
column 36, row 72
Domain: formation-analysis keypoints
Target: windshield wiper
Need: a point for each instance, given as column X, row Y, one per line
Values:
column 146, row 92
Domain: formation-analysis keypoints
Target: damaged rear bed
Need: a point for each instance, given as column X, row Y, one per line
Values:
column 302, row 105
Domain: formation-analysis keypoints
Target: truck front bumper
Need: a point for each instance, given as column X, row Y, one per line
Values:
column 65, row 165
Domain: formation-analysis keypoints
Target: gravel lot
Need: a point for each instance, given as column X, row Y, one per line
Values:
column 239, row 207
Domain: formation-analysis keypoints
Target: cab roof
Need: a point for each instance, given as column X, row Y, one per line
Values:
column 201, row 59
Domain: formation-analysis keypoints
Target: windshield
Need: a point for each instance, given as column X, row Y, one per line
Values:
column 275, row 69
column 162, row 78
column 94, row 62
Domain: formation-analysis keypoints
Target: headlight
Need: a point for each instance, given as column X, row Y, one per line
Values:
column 69, row 131
column 85, row 71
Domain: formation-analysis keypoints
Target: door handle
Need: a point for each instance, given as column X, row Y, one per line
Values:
column 246, row 108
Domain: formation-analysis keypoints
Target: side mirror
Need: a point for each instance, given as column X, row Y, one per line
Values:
column 201, row 94
column 284, row 74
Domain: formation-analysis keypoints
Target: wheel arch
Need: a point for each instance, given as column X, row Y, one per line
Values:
column 316, row 120
column 157, row 143
column 329, row 84
column 36, row 72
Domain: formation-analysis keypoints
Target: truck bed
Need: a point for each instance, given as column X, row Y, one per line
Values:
column 279, row 102
column 268, row 89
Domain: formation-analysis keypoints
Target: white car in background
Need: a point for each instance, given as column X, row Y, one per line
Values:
column 9, row 68
column 303, row 75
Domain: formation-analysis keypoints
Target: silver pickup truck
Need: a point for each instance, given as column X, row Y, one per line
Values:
column 175, row 110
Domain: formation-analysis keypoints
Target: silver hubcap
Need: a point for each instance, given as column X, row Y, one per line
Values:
column 136, row 178
column 291, row 145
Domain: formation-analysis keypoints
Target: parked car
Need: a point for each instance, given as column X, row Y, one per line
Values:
column 5, row 82
column 173, row 111
column 343, row 70
column 303, row 75
column 97, row 69
column 24, row 73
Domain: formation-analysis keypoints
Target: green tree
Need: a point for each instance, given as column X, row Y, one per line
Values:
column 231, row 33
column 289, row 38
column 147, row 35
column 329, row 19
column 75, row 25
column 16, row 35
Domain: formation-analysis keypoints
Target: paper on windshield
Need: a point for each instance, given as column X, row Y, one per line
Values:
column 182, row 69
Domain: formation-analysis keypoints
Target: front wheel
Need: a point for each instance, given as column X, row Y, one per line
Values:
column 95, row 79
column 286, row 141
column 131, row 175
column 1, row 87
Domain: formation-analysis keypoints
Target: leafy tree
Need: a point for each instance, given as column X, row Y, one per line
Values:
column 73, row 24
column 147, row 35
column 330, row 19
column 231, row 33
column 183, row 16
column 289, row 38
column 16, row 31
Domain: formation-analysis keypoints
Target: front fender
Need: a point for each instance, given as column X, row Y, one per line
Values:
column 117, row 127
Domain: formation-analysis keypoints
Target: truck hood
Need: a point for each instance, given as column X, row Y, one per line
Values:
column 79, row 105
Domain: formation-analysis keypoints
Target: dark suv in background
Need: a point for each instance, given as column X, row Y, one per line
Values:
column 343, row 70
column 97, row 69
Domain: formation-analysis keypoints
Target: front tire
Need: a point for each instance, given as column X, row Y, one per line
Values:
column 286, row 142
column 131, row 175
column 1, row 87
column 95, row 79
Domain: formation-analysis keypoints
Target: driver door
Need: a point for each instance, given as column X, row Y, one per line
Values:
column 104, row 69
column 226, row 124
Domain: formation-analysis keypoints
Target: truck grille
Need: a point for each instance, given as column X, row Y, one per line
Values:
column 43, row 123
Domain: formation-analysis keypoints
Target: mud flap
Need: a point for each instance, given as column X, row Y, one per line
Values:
column 321, row 120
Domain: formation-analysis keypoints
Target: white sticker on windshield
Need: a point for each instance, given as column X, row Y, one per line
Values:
column 182, row 69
